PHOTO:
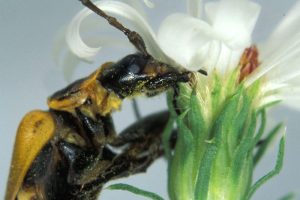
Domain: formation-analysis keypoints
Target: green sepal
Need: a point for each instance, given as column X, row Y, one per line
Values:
column 199, row 129
column 272, row 173
column 266, row 142
column 289, row 196
column 182, row 161
column 166, row 138
column 203, row 178
column 135, row 190
column 262, row 127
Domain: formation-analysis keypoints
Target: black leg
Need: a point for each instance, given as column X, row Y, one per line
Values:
column 136, row 110
column 99, row 131
column 149, row 127
column 143, row 146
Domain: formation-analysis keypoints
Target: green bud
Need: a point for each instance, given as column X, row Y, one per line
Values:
column 218, row 132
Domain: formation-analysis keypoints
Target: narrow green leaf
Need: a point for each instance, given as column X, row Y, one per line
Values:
column 289, row 196
column 166, row 138
column 272, row 173
column 198, row 127
column 135, row 190
column 180, row 181
column 262, row 126
column 224, row 121
column 216, row 94
column 197, row 122
column 266, row 142
column 239, row 128
column 269, row 105
column 185, row 137
column 240, row 170
column 243, row 151
column 203, row 179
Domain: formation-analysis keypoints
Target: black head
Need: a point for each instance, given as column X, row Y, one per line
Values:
column 137, row 74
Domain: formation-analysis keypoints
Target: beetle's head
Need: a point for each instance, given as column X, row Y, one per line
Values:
column 104, row 90
column 138, row 74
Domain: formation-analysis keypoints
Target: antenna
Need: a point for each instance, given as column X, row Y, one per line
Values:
column 133, row 36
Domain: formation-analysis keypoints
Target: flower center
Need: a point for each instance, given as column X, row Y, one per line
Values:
column 249, row 62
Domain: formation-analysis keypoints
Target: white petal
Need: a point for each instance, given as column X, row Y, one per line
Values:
column 79, row 48
column 74, row 40
column 194, row 7
column 228, row 58
column 220, row 57
column 70, row 61
column 185, row 39
column 137, row 5
column 281, row 53
column 286, row 72
column 288, row 27
column 270, row 87
column 149, row 3
column 293, row 103
column 206, row 57
column 193, row 45
column 233, row 21
column 282, row 64
column 291, row 96
column 270, row 99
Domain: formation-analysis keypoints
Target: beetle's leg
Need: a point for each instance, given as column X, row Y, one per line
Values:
column 174, row 99
column 144, row 145
column 133, row 36
column 100, row 130
column 136, row 110
column 84, row 163
column 150, row 126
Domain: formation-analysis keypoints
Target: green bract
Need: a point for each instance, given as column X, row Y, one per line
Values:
column 219, row 127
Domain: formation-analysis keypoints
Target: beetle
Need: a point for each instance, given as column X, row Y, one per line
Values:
column 69, row 151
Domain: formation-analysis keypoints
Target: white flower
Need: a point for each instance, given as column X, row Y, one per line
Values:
column 214, row 39
column 280, row 61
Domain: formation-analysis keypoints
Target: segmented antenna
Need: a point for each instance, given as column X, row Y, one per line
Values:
column 133, row 36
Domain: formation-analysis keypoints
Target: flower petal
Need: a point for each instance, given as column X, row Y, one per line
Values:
column 137, row 5
column 281, row 53
column 186, row 39
column 288, row 27
column 282, row 65
column 79, row 48
column 149, row 3
column 291, row 96
column 286, row 71
column 293, row 103
column 270, row 99
column 233, row 21
column 192, row 43
column 288, row 94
